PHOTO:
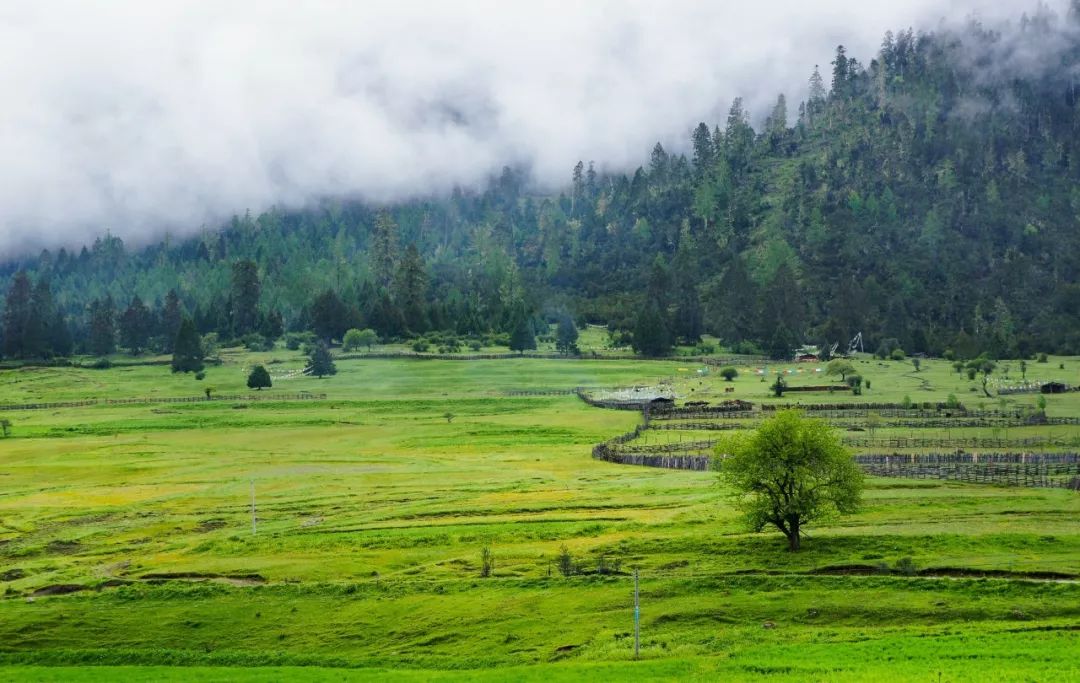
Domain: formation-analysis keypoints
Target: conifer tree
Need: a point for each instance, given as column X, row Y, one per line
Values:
column 172, row 315
column 259, row 378
column 188, row 351
column 522, row 338
column 17, row 315
column 135, row 326
column 245, row 293
column 321, row 363
column 102, row 332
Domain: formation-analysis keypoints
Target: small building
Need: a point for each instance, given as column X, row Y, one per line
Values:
column 1054, row 388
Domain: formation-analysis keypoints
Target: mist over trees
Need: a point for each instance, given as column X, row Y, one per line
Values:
column 926, row 197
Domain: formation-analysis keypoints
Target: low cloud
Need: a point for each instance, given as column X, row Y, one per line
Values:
column 142, row 117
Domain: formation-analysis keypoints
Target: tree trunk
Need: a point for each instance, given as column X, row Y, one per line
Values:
column 794, row 541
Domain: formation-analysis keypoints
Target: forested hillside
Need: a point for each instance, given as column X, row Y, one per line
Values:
column 927, row 197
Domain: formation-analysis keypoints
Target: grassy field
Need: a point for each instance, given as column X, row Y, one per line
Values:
column 375, row 503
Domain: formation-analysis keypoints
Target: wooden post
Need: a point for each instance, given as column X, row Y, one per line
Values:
column 637, row 618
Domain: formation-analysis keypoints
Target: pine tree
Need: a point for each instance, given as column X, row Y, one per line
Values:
column 320, row 363
column 245, row 293
column 329, row 316
column 102, row 333
column 411, row 290
column 522, row 337
column 17, row 315
column 37, row 335
column 135, row 326
column 188, row 351
column 172, row 314
column 259, row 378
column 651, row 337
column 566, row 336
column 384, row 250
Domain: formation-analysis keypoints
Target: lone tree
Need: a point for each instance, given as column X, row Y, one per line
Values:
column 729, row 373
column 779, row 386
column 522, row 338
column 839, row 366
column 790, row 472
column 566, row 336
column 259, row 378
column 321, row 363
column 188, row 351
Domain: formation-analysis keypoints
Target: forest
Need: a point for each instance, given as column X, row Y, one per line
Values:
column 927, row 197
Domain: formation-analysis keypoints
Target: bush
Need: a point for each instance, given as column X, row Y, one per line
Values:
column 949, row 354
column 1042, row 358
column 420, row 346
column 566, row 562
column 906, row 402
column 747, row 348
column 952, row 402
column 101, row 364
column 905, row 566
column 475, row 345
column 729, row 373
column 897, row 354
column 200, row 375
column 256, row 342
column 487, row 563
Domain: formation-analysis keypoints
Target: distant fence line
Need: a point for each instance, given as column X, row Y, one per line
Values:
column 1034, row 470
column 163, row 399
column 1040, row 470
column 858, row 442
column 811, row 407
column 704, row 360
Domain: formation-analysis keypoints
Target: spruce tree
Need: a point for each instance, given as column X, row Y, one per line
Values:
column 566, row 336
column 245, row 293
column 384, row 250
column 17, row 315
column 259, row 378
column 522, row 338
column 171, row 316
column 135, row 326
column 102, row 333
column 188, row 352
column 321, row 363
column 651, row 336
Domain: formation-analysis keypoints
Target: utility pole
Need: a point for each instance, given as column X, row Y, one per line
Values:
column 253, row 518
column 637, row 617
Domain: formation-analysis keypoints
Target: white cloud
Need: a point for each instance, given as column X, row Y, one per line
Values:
column 138, row 117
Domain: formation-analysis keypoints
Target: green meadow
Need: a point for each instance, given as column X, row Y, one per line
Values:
column 127, row 550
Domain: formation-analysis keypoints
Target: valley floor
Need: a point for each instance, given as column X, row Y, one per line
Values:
column 127, row 550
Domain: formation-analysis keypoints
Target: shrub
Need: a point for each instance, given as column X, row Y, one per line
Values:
column 952, row 402
column 949, row 354
column 487, row 563
column 729, row 373
column 200, row 375
column 101, row 364
column 475, row 345
column 1042, row 358
column 906, row 402
column 420, row 346
column 897, row 354
column 905, row 566
column 566, row 562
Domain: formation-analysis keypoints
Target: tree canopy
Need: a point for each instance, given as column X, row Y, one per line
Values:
column 790, row 472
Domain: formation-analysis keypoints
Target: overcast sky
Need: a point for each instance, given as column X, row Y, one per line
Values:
column 144, row 116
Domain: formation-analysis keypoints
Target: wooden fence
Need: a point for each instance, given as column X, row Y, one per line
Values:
column 1042, row 470
column 162, row 399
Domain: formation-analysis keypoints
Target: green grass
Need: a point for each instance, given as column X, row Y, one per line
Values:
column 373, row 510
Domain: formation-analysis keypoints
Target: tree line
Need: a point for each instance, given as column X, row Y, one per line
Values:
column 927, row 198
